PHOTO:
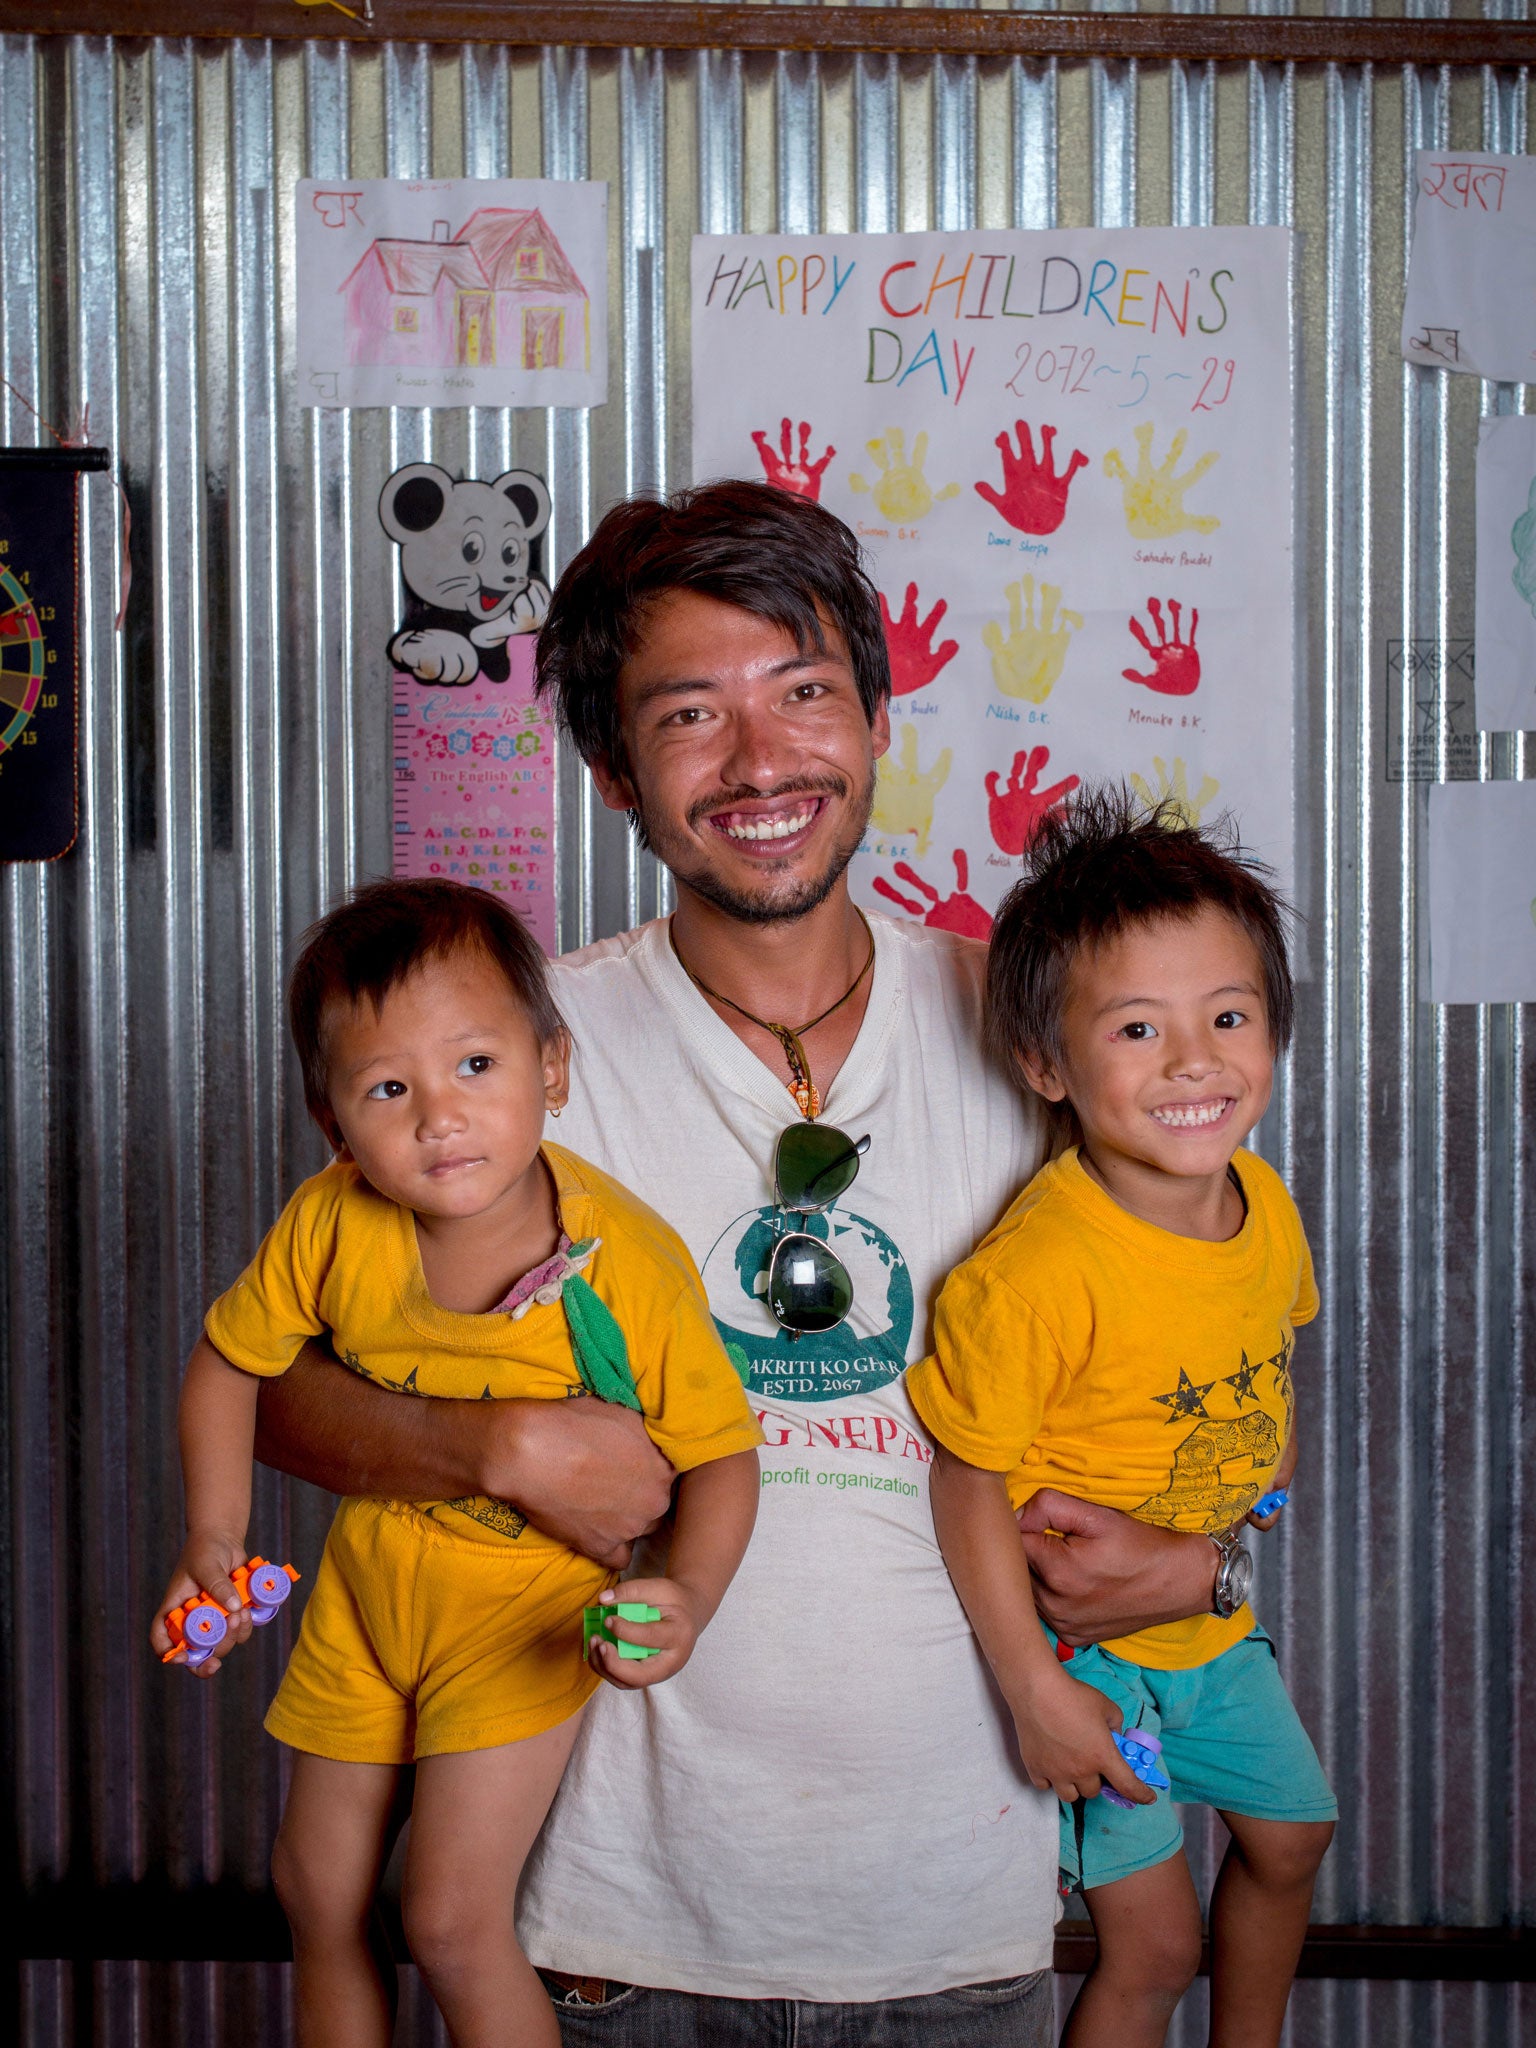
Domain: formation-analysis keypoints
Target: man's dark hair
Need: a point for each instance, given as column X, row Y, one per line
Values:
column 1100, row 864
column 752, row 545
column 369, row 944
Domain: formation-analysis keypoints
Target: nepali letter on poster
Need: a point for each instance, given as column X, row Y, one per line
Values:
column 1506, row 573
column 475, row 787
column 452, row 291
column 1471, row 298
column 1068, row 456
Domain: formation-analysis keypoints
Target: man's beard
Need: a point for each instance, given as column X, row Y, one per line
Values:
column 778, row 900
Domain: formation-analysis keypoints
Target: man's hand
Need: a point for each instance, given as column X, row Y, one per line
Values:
column 584, row 1472
column 1101, row 1574
column 204, row 1566
column 672, row 1638
column 1064, row 1730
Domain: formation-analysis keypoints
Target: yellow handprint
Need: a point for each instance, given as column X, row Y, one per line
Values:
column 1029, row 662
column 904, row 796
column 1174, row 791
column 901, row 490
column 1154, row 498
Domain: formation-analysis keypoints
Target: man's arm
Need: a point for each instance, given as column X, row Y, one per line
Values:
column 1103, row 1575
column 581, row 1471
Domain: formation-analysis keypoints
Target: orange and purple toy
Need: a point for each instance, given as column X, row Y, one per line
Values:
column 200, row 1624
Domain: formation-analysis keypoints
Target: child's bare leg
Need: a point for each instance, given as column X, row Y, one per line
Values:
column 1148, row 1928
column 1259, row 1912
column 472, row 1825
column 330, row 1854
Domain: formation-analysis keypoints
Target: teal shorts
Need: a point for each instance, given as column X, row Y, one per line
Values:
column 1231, row 1739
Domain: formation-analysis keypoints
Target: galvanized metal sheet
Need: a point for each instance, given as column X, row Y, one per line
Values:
column 235, row 769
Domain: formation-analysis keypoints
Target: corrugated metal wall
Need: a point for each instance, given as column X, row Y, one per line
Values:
column 235, row 778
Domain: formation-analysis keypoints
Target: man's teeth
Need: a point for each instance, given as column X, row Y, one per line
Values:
column 771, row 828
column 1191, row 1117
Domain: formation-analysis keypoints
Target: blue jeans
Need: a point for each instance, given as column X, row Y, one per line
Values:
column 1016, row 2012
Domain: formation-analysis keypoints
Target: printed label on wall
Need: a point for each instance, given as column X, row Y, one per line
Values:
column 1068, row 456
column 475, row 788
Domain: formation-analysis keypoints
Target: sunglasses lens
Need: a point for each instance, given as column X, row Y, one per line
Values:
column 813, row 1165
column 808, row 1286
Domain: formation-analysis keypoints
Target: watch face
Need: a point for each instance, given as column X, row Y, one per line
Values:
column 1239, row 1577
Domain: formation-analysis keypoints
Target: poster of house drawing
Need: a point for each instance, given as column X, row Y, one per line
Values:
column 1068, row 456
column 1482, row 892
column 1506, row 573
column 458, row 291
column 1471, row 298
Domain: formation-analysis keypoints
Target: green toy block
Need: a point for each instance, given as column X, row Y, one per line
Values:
column 595, row 1620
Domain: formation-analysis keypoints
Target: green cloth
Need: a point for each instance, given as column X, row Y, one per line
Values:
column 602, row 1357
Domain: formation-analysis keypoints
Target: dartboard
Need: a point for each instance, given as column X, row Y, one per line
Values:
column 23, row 658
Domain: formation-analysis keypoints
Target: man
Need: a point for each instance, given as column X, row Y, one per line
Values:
column 826, row 1807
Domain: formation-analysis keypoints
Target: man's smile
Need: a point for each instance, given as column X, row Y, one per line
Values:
column 774, row 824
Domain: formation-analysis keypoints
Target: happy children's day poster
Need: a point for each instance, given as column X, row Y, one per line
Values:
column 1069, row 458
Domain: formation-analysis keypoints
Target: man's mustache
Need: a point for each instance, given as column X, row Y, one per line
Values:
column 799, row 785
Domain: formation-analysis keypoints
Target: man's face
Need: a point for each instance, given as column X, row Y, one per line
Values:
column 751, row 765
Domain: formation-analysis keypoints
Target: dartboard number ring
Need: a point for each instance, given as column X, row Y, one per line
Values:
column 24, row 658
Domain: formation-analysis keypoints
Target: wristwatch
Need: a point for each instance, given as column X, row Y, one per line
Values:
column 1234, row 1574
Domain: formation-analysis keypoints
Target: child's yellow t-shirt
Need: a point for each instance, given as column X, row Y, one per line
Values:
column 1083, row 1349
column 343, row 1259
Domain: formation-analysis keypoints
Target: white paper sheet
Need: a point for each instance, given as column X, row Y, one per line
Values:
column 457, row 291
column 1471, row 298
column 1069, row 457
column 1482, row 892
column 1506, row 573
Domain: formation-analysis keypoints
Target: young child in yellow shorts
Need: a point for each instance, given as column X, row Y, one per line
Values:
column 1125, row 1335
column 447, row 1251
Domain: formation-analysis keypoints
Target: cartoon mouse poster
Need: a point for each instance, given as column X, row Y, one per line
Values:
column 468, row 561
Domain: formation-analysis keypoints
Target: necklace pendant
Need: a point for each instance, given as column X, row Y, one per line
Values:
column 807, row 1097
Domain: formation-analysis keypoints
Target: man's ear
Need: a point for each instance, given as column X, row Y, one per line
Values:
column 880, row 728
column 613, row 784
column 1041, row 1076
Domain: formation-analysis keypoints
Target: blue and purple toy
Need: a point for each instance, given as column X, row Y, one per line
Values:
column 1141, row 1751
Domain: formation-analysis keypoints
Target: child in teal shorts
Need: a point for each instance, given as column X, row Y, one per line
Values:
column 1125, row 1335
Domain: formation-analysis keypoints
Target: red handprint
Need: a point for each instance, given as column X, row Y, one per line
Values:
column 1175, row 664
column 958, row 913
column 909, row 642
column 1014, row 811
column 1033, row 498
column 796, row 474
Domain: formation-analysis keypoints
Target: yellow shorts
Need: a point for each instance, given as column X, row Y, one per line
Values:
column 426, row 1637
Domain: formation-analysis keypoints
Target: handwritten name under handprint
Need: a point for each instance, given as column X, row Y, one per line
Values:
column 796, row 474
column 1175, row 670
column 905, row 791
column 915, row 661
column 1028, row 663
column 900, row 489
column 1014, row 810
column 1172, row 792
column 958, row 913
column 1154, row 498
column 1033, row 498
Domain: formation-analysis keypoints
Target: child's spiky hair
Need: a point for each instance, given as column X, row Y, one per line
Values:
column 1101, row 863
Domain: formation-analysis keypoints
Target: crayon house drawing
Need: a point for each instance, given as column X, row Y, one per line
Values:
column 500, row 291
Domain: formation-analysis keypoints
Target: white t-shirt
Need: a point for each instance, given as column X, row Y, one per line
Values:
column 827, row 1802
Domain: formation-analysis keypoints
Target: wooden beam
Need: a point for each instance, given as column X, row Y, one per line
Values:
column 1479, row 1955
column 900, row 31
